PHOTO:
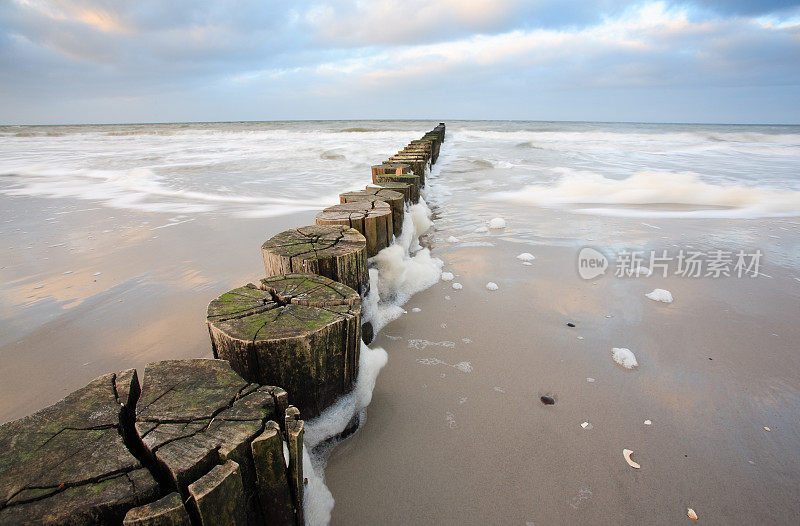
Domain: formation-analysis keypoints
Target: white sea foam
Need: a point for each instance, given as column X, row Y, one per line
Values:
column 497, row 223
column 624, row 357
column 526, row 256
column 492, row 286
column 318, row 501
column 401, row 270
column 453, row 239
column 458, row 286
column 447, row 276
column 662, row 295
column 645, row 189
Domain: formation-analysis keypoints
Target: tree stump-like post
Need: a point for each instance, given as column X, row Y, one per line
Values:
column 410, row 179
column 274, row 492
column 337, row 252
column 401, row 188
column 372, row 219
column 219, row 496
column 395, row 199
column 294, row 440
column 167, row 511
column 391, row 169
column 300, row 331
column 417, row 163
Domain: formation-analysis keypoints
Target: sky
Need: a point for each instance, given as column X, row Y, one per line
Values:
column 114, row 61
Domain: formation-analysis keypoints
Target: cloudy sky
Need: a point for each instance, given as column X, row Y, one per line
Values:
column 78, row 61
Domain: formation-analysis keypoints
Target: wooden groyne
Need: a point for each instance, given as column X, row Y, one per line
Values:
column 216, row 441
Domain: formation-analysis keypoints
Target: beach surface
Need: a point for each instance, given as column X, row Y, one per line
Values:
column 111, row 262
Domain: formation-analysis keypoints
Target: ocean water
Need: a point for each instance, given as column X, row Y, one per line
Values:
column 275, row 168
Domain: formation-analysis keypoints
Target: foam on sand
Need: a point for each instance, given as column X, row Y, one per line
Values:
column 458, row 286
column 453, row 239
column 318, row 501
column 492, row 286
column 497, row 223
column 401, row 270
column 526, row 256
column 447, row 276
column 624, row 357
column 662, row 295
column 718, row 200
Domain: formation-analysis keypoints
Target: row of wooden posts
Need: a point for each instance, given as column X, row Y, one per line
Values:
column 213, row 441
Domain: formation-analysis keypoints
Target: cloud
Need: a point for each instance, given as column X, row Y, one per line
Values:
column 191, row 59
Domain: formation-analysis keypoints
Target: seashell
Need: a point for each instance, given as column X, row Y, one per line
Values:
column 627, row 454
column 691, row 514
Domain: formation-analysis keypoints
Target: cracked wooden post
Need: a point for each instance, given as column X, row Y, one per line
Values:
column 294, row 440
column 372, row 218
column 402, row 188
column 300, row 331
column 390, row 169
column 274, row 492
column 395, row 200
column 167, row 511
column 219, row 496
column 417, row 162
column 70, row 463
column 334, row 251
column 409, row 179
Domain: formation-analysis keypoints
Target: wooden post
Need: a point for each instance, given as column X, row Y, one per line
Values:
column 395, row 200
column 372, row 219
column 167, row 511
column 294, row 439
column 409, row 179
column 274, row 493
column 417, row 163
column 334, row 251
column 401, row 188
column 300, row 331
column 219, row 496
column 390, row 168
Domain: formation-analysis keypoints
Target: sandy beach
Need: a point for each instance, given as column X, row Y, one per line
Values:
column 456, row 432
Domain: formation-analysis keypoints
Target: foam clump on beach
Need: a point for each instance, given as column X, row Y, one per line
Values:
column 497, row 223
column 481, row 229
column 492, row 286
column 458, row 286
column 661, row 295
column 526, row 257
column 624, row 357
column 401, row 270
column 453, row 239
column 317, row 500
column 447, row 276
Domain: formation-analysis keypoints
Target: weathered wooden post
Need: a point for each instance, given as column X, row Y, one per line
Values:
column 409, row 179
column 372, row 219
column 417, row 163
column 274, row 492
column 294, row 440
column 337, row 252
column 166, row 511
column 300, row 331
column 219, row 496
column 401, row 188
column 390, row 168
column 395, row 200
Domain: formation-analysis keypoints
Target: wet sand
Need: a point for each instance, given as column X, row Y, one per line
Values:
column 456, row 432
column 63, row 325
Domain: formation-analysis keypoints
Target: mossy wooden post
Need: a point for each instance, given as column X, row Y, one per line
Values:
column 337, row 252
column 417, row 163
column 390, row 169
column 219, row 496
column 167, row 511
column 394, row 199
column 372, row 218
column 294, row 440
column 409, row 179
column 71, row 463
column 300, row 331
column 401, row 188
column 274, row 492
